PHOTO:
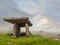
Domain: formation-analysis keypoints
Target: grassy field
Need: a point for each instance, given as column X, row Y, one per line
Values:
column 31, row 40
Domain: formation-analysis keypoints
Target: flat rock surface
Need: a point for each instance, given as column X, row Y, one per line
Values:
column 21, row 20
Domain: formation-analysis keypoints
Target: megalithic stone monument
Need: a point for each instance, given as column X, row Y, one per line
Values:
column 18, row 23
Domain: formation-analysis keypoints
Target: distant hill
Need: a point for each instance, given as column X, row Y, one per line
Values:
column 49, row 34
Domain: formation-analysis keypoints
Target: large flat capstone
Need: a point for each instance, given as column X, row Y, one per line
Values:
column 20, row 21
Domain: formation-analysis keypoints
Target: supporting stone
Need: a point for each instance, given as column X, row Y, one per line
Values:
column 27, row 29
column 16, row 30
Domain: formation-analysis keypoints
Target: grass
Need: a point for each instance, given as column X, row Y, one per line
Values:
column 31, row 40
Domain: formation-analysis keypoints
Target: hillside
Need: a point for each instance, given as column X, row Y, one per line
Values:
column 31, row 40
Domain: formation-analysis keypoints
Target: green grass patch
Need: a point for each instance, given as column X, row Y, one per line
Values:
column 31, row 40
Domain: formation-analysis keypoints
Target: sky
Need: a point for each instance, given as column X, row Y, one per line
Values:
column 43, row 14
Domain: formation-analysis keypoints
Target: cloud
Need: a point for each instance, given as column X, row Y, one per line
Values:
column 27, row 6
column 44, row 14
column 30, row 6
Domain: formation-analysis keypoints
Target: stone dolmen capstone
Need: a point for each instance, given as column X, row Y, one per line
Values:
column 18, row 23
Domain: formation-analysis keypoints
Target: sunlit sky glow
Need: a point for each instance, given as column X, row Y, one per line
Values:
column 44, row 14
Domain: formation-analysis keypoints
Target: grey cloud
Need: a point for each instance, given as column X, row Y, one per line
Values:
column 8, row 8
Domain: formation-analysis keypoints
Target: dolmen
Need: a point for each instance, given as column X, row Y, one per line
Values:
column 18, row 23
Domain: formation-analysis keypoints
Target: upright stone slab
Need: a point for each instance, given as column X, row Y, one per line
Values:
column 16, row 30
column 27, row 29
